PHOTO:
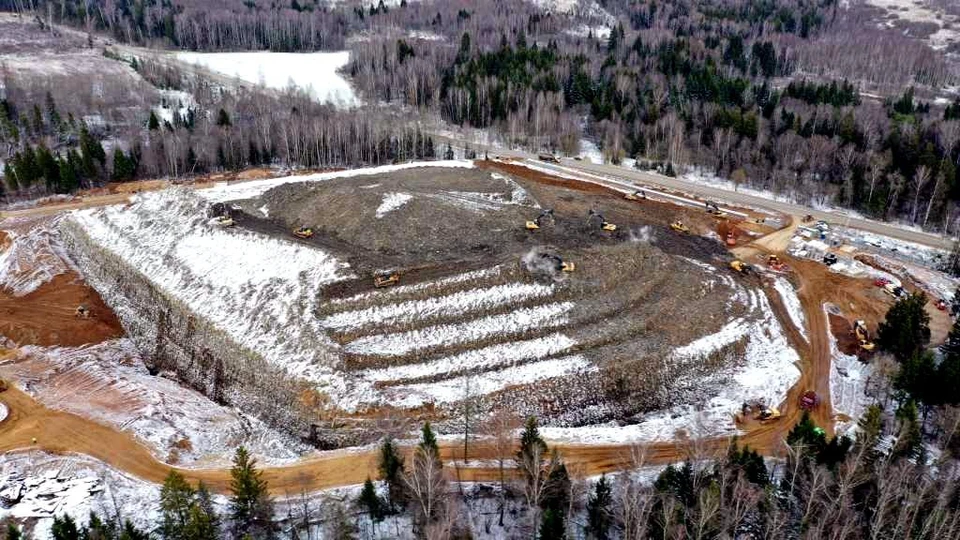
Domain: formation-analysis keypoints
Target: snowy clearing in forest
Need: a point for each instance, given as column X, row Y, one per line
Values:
column 315, row 73
column 848, row 384
column 248, row 190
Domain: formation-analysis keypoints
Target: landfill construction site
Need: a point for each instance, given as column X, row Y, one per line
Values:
column 303, row 315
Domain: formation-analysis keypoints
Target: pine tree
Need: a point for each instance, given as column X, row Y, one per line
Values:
column 153, row 123
column 906, row 330
column 13, row 532
column 223, row 119
column 9, row 178
column 123, row 167
column 250, row 505
column 64, row 528
column 370, row 502
column 598, row 510
column 203, row 522
column 552, row 526
column 176, row 501
column 532, row 446
column 392, row 472
column 428, row 441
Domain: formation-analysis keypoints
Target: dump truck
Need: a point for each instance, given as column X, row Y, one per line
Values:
column 809, row 400
column 303, row 232
column 386, row 279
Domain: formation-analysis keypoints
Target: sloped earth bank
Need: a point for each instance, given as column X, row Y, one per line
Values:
column 310, row 347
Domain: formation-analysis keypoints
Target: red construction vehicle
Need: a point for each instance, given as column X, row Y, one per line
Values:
column 809, row 400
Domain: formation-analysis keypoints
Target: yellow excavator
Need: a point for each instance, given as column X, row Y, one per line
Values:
column 638, row 195
column 537, row 223
column 863, row 336
column 303, row 232
column 597, row 217
column 680, row 227
column 741, row 267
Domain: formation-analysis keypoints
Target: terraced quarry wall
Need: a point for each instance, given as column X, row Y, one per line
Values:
column 174, row 338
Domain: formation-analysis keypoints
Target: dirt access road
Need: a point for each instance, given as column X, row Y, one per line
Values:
column 60, row 432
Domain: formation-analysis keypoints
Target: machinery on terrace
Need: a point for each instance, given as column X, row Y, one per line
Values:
column 597, row 218
column 386, row 279
column 541, row 220
column 303, row 232
column 863, row 336
column 680, row 227
column 741, row 267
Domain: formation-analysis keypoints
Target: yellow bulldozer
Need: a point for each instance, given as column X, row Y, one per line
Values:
column 741, row 267
column 386, row 279
column 303, row 232
column 680, row 227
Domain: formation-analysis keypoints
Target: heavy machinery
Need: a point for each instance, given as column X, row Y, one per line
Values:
column 638, row 195
column 830, row 259
column 941, row 304
column 894, row 290
column 863, row 335
column 809, row 400
column 775, row 263
column 537, row 223
column 768, row 414
column 741, row 267
column 731, row 240
column 82, row 312
column 559, row 264
column 549, row 158
column 714, row 210
column 386, row 279
column 223, row 221
column 680, row 227
column 303, row 232
column 597, row 217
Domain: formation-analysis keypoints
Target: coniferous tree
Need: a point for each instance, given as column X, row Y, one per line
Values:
column 176, row 502
column 391, row 472
column 250, row 505
column 203, row 522
column 153, row 123
column 552, row 525
column 370, row 502
column 64, row 528
column 599, row 518
column 906, row 329
column 13, row 532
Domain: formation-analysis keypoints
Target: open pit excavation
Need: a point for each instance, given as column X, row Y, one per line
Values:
column 288, row 341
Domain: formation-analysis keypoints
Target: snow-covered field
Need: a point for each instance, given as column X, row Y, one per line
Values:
column 315, row 73
column 848, row 383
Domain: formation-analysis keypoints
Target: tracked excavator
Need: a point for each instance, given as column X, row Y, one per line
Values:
column 559, row 264
column 597, row 217
column 539, row 222
column 680, row 227
column 863, row 336
column 714, row 210
column 638, row 195
column 741, row 267
column 303, row 232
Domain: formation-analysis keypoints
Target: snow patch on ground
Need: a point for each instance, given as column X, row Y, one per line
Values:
column 848, row 383
column 767, row 372
column 589, row 149
column 109, row 383
column 33, row 258
column 315, row 73
column 248, row 190
column 458, row 303
column 792, row 302
column 457, row 388
column 229, row 277
column 545, row 316
column 49, row 486
column 392, row 201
